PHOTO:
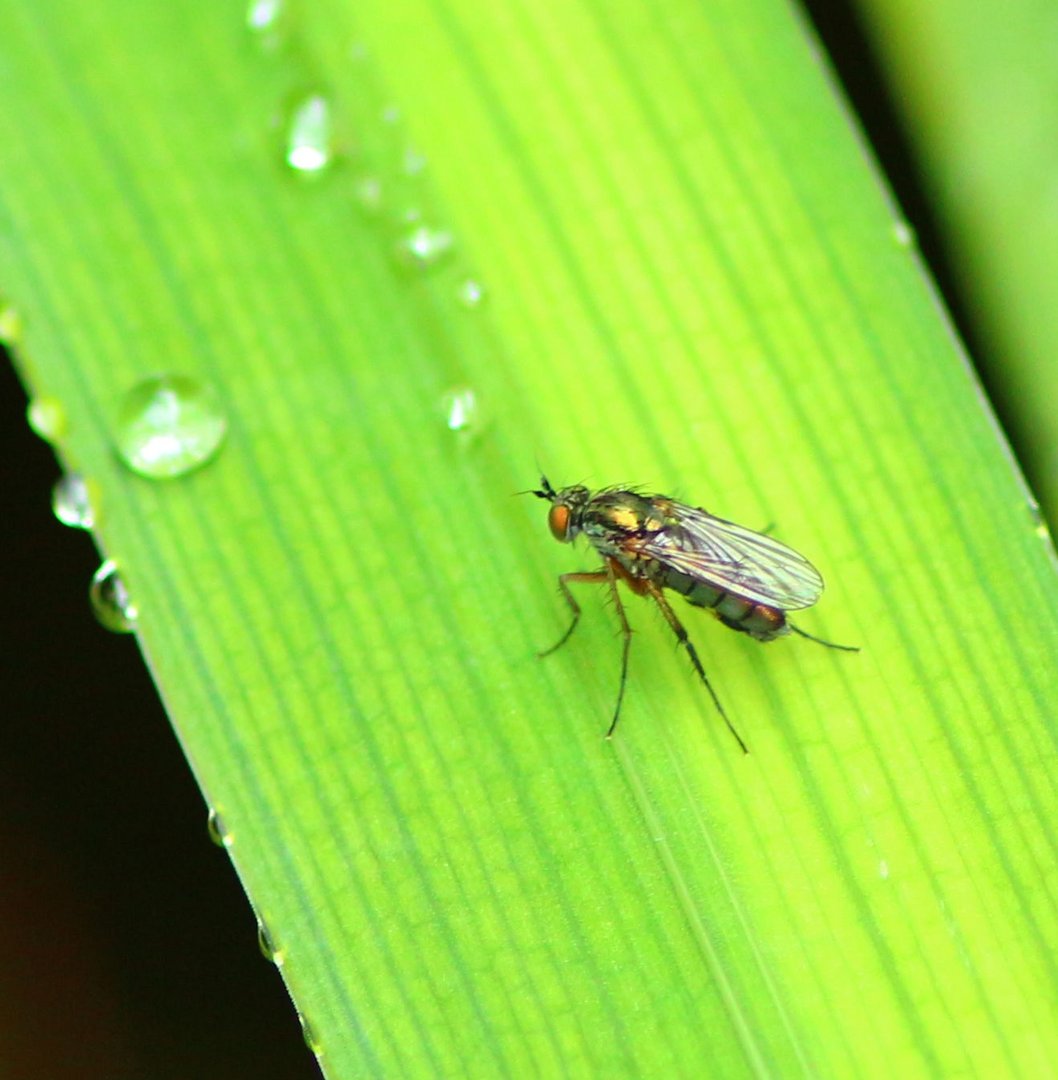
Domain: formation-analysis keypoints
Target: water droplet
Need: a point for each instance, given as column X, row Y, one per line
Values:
column 413, row 161
column 311, row 1040
column 903, row 234
column 167, row 426
column 367, row 190
column 462, row 412
column 47, row 418
column 1039, row 522
column 218, row 831
column 71, row 502
column 110, row 599
column 460, row 407
column 423, row 246
column 310, row 135
column 883, row 870
column 267, row 946
column 10, row 324
column 470, row 293
column 267, row 22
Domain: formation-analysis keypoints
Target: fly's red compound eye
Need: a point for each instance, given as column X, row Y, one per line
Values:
column 558, row 522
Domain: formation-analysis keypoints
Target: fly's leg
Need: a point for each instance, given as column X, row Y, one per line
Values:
column 626, row 632
column 598, row 577
column 594, row 577
column 681, row 635
column 820, row 641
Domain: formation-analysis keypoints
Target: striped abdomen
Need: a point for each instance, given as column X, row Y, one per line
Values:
column 758, row 620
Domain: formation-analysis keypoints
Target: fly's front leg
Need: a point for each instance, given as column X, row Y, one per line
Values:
column 598, row 577
column 595, row 577
column 681, row 635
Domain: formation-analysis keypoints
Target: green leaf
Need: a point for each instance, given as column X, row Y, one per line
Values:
column 695, row 281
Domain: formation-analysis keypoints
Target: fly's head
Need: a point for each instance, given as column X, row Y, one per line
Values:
column 565, row 518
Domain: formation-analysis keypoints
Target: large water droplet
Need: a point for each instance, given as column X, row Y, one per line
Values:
column 47, row 418
column 71, row 502
column 167, row 426
column 422, row 246
column 310, row 135
column 110, row 599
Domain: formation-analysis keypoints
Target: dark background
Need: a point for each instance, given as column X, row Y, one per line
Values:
column 128, row 947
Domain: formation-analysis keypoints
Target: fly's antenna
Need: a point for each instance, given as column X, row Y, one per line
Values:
column 545, row 491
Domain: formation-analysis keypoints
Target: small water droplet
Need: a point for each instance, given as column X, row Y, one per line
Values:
column 47, row 418
column 10, row 324
column 310, row 135
column 218, row 831
column 265, row 19
column 462, row 412
column 903, row 234
column 470, row 293
column 311, row 1040
column 267, row 946
column 167, row 426
column 883, row 870
column 423, row 246
column 367, row 190
column 460, row 407
column 71, row 502
column 1039, row 522
column 110, row 599
column 413, row 161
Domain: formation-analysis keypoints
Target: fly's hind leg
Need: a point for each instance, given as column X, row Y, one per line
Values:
column 821, row 641
column 671, row 618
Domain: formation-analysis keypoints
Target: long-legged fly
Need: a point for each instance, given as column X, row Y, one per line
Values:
column 652, row 542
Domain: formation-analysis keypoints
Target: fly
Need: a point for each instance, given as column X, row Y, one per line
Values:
column 652, row 543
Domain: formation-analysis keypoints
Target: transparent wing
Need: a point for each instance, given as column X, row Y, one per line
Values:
column 735, row 559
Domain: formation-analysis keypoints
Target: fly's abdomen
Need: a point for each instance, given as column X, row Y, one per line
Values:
column 758, row 620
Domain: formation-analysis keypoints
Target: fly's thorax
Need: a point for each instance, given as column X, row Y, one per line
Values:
column 622, row 514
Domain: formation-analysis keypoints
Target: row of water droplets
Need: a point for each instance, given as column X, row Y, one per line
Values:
column 169, row 425
column 164, row 427
column 270, row 949
column 363, row 145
